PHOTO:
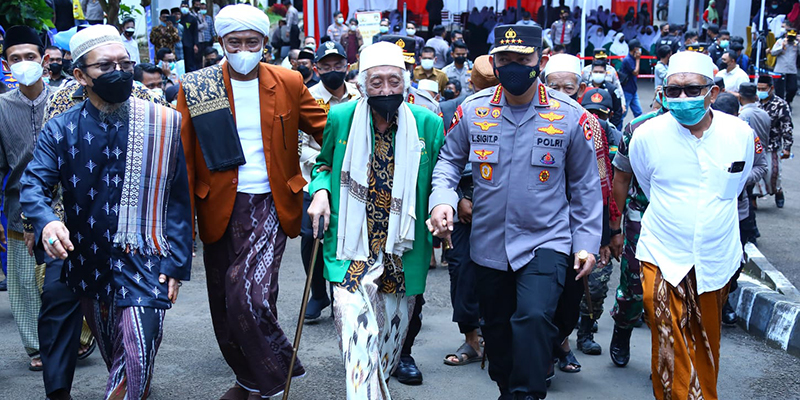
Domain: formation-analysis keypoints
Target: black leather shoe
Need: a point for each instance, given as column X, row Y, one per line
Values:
column 4, row 285
column 525, row 396
column 779, row 199
column 407, row 372
column 728, row 314
column 620, row 347
column 315, row 307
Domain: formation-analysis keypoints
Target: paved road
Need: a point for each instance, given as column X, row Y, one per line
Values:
column 189, row 364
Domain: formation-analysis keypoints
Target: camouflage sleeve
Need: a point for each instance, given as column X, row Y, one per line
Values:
column 786, row 128
column 622, row 160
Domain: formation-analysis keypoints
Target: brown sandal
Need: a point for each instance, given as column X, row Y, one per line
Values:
column 235, row 393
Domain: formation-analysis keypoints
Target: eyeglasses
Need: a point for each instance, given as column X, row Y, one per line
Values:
column 324, row 69
column 109, row 66
column 673, row 91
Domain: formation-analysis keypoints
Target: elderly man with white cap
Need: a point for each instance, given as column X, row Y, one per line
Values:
column 563, row 73
column 371, row 184
column 691, row 163
column 240, row 134
column 126, row 239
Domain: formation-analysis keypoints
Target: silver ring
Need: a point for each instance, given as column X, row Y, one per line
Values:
column 52, row 240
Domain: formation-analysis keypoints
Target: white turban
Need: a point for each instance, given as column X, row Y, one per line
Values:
column 563, row 63
column 91, row 38
column 381, row 54
column 691, row 62
column 241, row 17
column 429, row 85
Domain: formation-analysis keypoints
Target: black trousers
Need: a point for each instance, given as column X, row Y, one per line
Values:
column 414, row 326
column 462, row 280
column 517, row 310
column 60, row 322
column 786, row 87
column 569, row 306
column 318, row 290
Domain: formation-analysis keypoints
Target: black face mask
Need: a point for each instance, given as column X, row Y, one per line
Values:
column 332, row 80
column 305, row 71
column 114, row 87
column 448, row 94
column 516, row 78
column 66, row 66
column 460, row 60
column 386, row 106
column 55, row 69
column 211, row 61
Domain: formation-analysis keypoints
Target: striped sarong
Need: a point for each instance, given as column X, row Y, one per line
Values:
column 24, row 291
column 150, row 165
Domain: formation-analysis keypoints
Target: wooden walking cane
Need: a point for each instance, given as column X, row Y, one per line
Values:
column 583, row 255
column 302, row 318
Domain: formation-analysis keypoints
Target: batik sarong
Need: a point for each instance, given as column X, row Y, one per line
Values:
column 24, row 291
column 771, row 183
column 685, row 334
column 242, row 279
column 372, row 326
column 128, row 339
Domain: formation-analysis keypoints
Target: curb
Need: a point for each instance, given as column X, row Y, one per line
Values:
column 767, row 304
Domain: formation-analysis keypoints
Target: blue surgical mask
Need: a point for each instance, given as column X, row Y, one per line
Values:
column 184, row 10
column 688, row 111
column 763, row 95
column 724, row 44
column 384, row 29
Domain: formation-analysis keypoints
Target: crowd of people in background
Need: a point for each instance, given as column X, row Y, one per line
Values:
column 438, row 72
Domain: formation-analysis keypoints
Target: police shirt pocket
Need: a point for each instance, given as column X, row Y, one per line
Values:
column 546, row 164
column 728, row 184
column 485, row 156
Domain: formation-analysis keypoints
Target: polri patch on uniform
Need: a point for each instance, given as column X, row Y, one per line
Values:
column 759, row 146
column 550, row 130
column 485, row 125
column 482, row 112
column 410, row 98
column 483, row 154
column 544, row 176
column 548, row 159
column 551, row 116
column 496, row 112
column 456, row 118
column 587, row 131
column 486, row 171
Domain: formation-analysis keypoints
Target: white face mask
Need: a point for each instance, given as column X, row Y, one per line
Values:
column 243, row 62
column 598, row 78
column 27, row 72
column 426, row 64
column 411, row 32
column 340, row 20
column 353, row 28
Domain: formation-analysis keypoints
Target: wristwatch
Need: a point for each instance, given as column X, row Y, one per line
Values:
column 615, row 232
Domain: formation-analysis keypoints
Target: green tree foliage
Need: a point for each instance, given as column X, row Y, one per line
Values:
column 33, row 13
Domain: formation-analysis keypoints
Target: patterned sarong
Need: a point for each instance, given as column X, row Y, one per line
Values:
column 25, row 280
column 128, row 339
column 685, row 333
column 150, row 164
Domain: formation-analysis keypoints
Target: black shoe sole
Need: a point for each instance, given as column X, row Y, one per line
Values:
column 410, row 382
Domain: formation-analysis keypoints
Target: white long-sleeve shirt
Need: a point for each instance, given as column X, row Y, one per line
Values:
column 692, row 219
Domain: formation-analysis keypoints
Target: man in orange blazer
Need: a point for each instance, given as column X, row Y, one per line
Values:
column 240, row 134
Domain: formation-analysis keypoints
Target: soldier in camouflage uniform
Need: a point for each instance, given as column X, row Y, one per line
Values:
column 628, row 305
column 528, row 145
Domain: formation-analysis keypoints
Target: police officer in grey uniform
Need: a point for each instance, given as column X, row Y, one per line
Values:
column 537, row 197
column 415, row 96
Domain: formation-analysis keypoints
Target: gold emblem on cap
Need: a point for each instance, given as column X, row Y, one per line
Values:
column 401, row 43
column 330, row 45
column 511, row 37
column 510, row 34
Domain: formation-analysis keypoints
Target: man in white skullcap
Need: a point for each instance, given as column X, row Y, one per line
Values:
column 125, row 242
column 692, row 164
column 240, row 133
column 376, row 247
column 563, row 73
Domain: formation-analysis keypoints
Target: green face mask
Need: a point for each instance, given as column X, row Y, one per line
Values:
column 688, row 111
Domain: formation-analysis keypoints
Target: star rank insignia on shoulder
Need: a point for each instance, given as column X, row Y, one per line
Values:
column 498, row 94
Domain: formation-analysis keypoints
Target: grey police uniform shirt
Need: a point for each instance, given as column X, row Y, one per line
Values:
column 523, row 172
column 760, row 121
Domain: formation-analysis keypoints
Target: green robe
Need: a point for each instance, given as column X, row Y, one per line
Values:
column 415, row 261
